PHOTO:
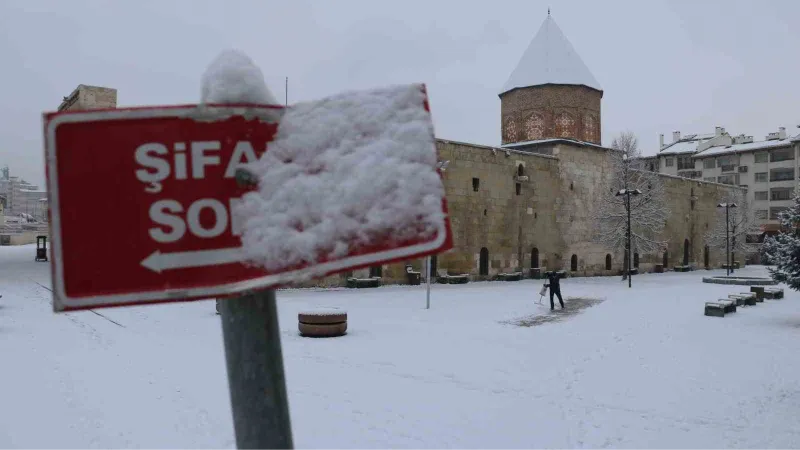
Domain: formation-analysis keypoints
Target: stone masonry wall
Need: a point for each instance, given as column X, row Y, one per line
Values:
column 550, row 217
column 551, row 111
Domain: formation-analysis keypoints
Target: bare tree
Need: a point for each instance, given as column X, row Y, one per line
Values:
column 741, row 223
column 615, row 224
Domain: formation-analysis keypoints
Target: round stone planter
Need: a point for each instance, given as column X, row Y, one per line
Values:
column 322, row 323
column 742, row 281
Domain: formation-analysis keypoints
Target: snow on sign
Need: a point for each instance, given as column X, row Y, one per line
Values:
column 145, row 206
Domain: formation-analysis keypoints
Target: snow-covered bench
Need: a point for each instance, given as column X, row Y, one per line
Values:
column 738, row 298
column 714, row 309
column 363, row 282
column 454, row 279
column 748, row 298
column 513, row 276
column 773, row 293
column 682, row 268
column 728, row 305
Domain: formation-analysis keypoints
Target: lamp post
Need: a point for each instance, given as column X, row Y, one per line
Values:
column 627, row 193
column 441, row 166
column 727, row 207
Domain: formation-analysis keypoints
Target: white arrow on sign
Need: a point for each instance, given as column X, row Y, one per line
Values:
column 158, row 261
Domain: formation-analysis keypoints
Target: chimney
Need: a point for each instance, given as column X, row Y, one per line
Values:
column 718, row 131
column 660, row 141
column 781, row 132
column 676, row 136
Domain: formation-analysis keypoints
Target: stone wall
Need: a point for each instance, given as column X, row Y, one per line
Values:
column 551, row 111
column 545, row 219
column 89, row 97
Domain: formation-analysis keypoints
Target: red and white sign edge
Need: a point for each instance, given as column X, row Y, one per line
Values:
column 63, row 302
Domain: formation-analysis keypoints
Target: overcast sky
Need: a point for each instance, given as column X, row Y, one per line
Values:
column 663, row 65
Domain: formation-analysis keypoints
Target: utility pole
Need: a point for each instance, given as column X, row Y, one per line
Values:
column 729, row 264
column 627, row 264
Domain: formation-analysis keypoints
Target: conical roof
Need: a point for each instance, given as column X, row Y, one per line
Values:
column 550, row 59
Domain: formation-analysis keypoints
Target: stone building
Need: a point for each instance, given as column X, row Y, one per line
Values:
column 528, row 202
column 89, row 97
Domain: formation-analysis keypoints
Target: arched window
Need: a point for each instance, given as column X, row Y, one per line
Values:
column 706, row 257
column 608, row 262
column 434, row 265
column 520, row 170
column 573, row 264
column 535, row 258
column 666, row 259
column 483, row 263
column 635, row 260
column 534, row 127
column 686, row 246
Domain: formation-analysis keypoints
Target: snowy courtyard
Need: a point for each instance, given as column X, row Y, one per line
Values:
column 639, row 367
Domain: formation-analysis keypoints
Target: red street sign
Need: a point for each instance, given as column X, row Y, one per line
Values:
column 140, row 206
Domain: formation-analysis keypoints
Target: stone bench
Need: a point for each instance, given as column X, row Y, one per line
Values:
column 322, row 323
column 360, row 283
column 759, row 291
column 714, row 309
column 513, row 276
column 728, row 305
column 453, row 279
column 750, row 298
column 773, row 293
column 740, row 300
column 682, row 268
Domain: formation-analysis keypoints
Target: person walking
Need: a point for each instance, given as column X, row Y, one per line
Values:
column 555, row 288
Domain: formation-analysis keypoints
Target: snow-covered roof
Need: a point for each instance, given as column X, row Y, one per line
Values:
column 682, row 147
column 550, row 59
column 738, row 148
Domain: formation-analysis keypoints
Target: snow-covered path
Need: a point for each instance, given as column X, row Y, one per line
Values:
column 644, row 368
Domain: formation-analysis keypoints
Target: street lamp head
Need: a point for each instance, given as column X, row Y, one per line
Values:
column 636, row 192
column 733, row 205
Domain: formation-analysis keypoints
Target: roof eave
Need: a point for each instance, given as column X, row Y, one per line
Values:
column 550, row 84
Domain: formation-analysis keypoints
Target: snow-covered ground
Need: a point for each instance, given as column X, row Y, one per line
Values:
column 644, row 368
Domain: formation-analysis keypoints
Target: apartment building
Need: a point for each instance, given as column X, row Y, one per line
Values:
column 767, row 168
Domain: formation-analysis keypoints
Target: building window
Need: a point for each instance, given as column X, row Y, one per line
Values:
column 761, row 177
column 783, row 154
column 780, row 194
column 711, row 179
column 608, row 262
column 726, row 161
column 786, row 174
column 685, row 163
column 761, row 214
column 775, row 211
column 510, row 129
column 534, row 127
column 635, row 260
column 731, row 178
column 762, row 157
column 573, row 263
column 668, row 162
column 564, row 125
column 476, row 184
column 483, row 262
column 520, row 170
column 589, row 126
column 376, row 272
column 761, row 195
column 519, row 189
column 708, row 163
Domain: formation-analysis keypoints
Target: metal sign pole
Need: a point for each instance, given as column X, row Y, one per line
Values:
column 255, row 371
column 428, row 272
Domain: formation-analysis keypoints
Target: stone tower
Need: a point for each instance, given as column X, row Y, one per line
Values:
column 551, row 93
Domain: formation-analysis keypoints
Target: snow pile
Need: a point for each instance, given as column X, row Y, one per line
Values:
column 345, row 173
column 233, row 78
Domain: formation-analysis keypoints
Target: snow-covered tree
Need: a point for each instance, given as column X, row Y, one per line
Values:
column 783, row 249
column 740, row 224
column 648, row 209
